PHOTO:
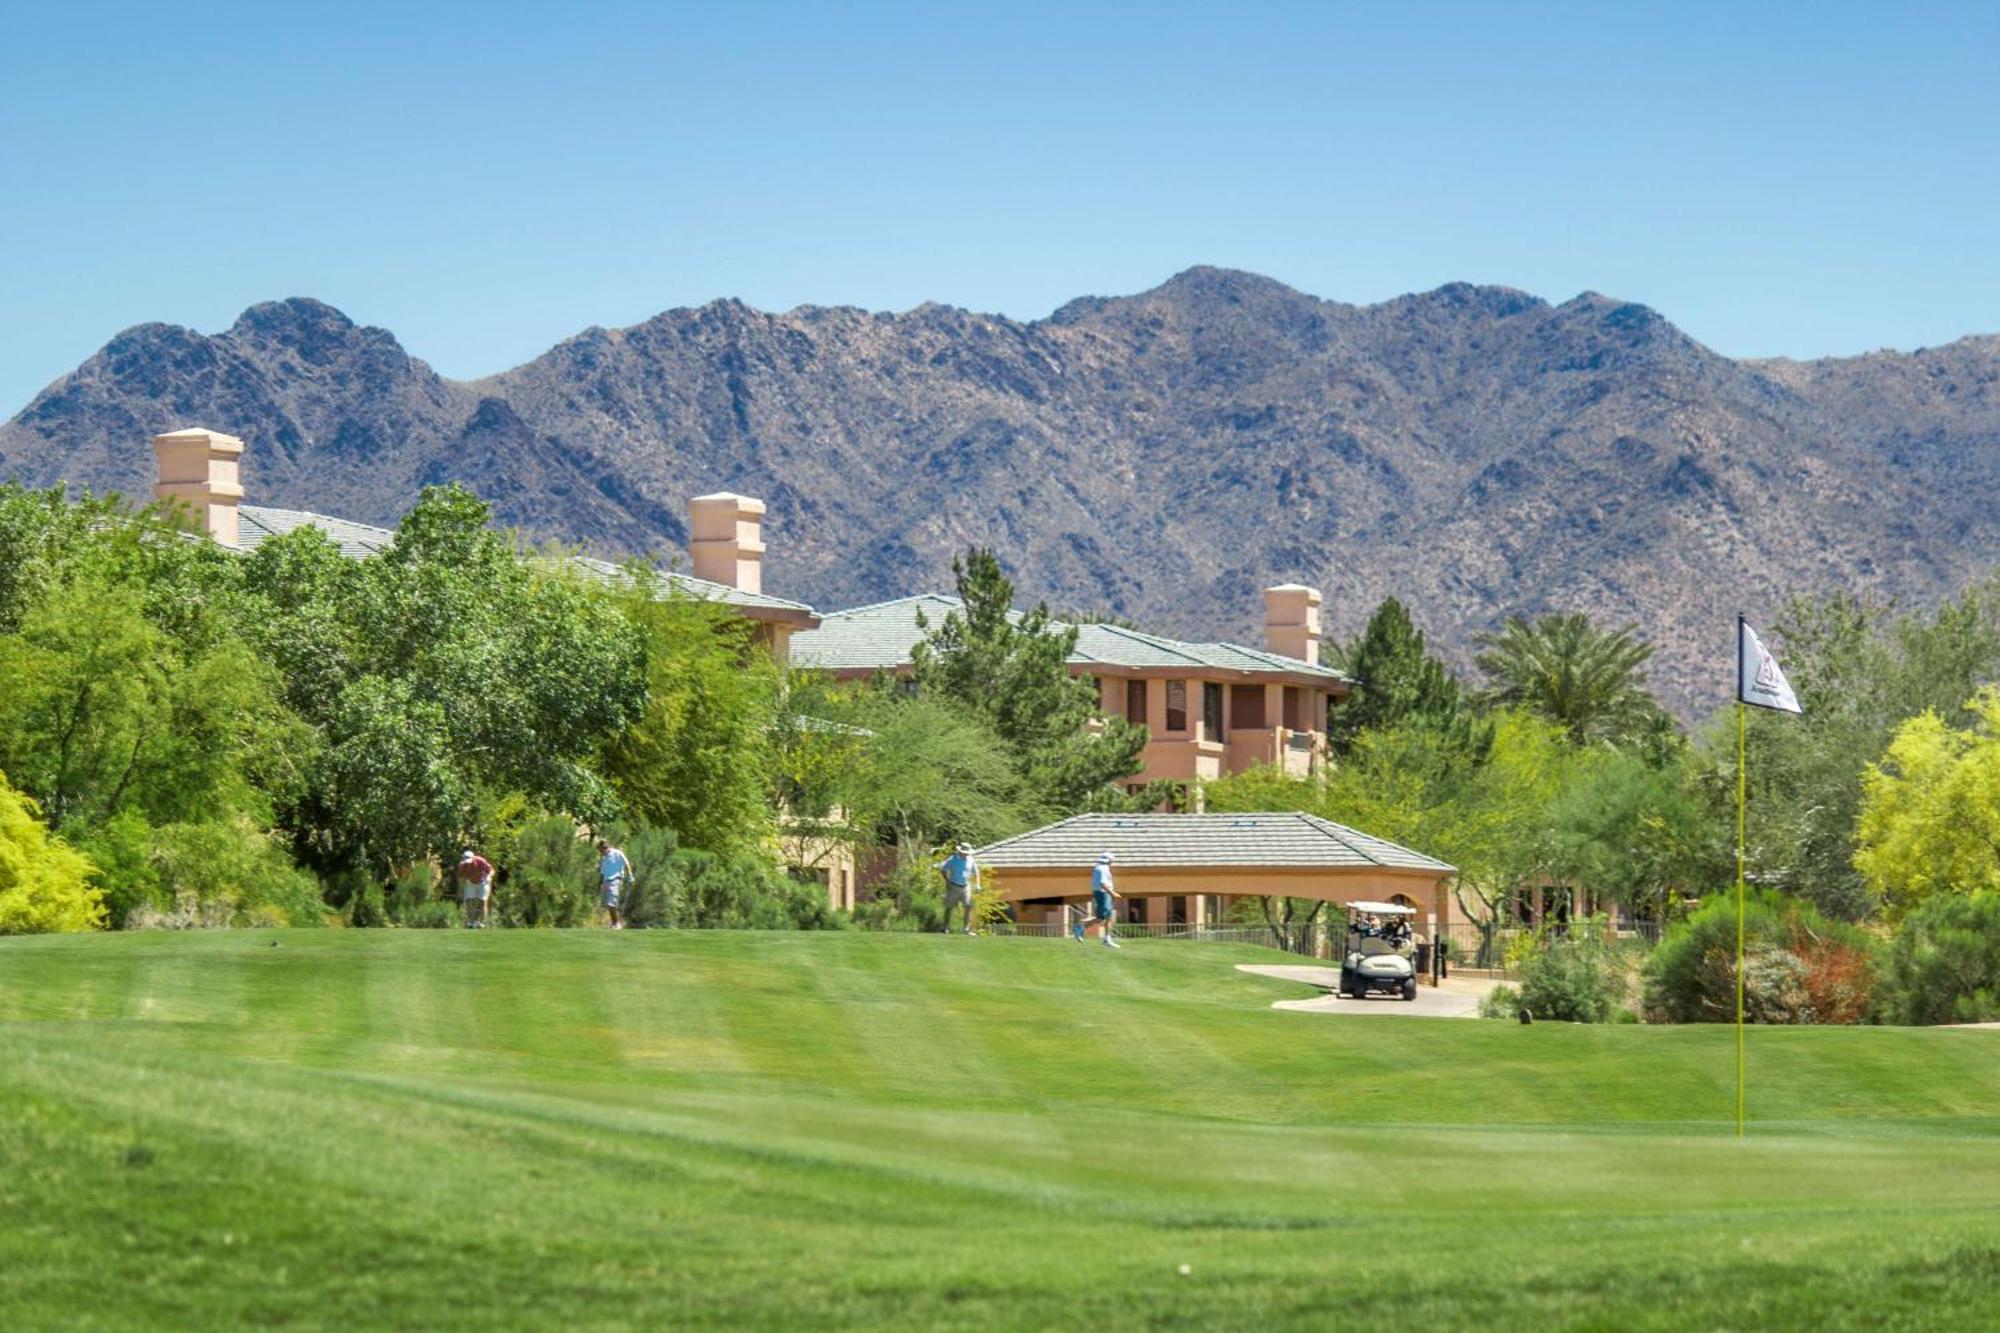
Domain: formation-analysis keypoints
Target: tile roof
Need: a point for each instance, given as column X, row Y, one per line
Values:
column 256, row 523
column 881, row 636
column 702, row 588
column 357, row 541
column 1206, row 841
column 867, row 637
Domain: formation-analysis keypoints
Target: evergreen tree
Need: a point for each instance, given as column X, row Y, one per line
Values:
column 1012, row 672
column 1397, row 680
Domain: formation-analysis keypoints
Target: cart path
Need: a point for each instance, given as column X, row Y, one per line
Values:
column 1458, row 997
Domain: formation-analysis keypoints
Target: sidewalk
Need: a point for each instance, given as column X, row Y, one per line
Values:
column 1458, row 997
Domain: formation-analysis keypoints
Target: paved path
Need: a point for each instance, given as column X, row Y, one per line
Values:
column 1458, row 997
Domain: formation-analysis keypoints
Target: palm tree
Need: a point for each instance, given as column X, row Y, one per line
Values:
column 1588, row 681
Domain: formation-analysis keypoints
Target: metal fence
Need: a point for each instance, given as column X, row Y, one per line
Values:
column 1306, row 941
column 1471, row 946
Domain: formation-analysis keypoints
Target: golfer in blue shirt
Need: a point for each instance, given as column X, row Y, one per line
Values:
column 961, row 882
column 1102, row 892
column 614, row 873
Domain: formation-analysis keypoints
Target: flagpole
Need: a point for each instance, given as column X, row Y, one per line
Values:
column 1740, row 792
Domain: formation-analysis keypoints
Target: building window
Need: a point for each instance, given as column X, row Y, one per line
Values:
column 1177, row 705
column 1211, row 709
column 1138, row 910
column 1295, row 711
column 1177, row 911
column 1135, row 701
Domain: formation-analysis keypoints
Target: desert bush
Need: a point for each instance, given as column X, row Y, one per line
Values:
column 1944, row 962
column 412, row 894
column 910, row 897
column 1798, row 965
column 546, row 876
column 230, row 864
column 1503, row 1001
column 1577, row 979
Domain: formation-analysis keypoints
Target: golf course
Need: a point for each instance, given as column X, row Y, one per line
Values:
column 733, row 1129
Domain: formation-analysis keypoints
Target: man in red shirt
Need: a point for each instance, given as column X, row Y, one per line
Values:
column 475, row 888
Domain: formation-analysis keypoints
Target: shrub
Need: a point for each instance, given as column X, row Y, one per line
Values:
column 745, row 891
column 652, row 894
column 1798, row 966
column 413, row 894
column 1944, row 962
column 45, row 884
column 1577, row 979
column 236, row 872
column 1503, row 1001
column 547, row 876
column 910, row 897
column 122, row 850
column 434, row 915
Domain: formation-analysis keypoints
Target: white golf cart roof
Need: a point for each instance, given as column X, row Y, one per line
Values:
column 1382, row 909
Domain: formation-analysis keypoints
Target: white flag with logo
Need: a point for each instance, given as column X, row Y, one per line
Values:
column 1760, row 681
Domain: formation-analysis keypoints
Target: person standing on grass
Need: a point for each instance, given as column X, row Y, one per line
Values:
column 1102, row 892
column 475, row 888
column 614, row 872
column 961, row 884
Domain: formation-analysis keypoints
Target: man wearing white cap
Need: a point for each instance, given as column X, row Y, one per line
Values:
column 475, row 888
column 961, row 883
column 1101, row 911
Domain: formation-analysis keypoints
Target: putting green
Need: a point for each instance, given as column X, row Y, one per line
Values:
column 531, row 1128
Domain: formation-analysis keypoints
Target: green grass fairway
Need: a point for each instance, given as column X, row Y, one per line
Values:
column 348, row 1129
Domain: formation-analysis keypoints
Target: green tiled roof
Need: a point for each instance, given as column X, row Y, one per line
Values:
column 258, row 523
column 880, row 637
column 1207, row 842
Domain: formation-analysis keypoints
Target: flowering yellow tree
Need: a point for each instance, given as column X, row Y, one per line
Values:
column 44, row 882
column 1930, row 810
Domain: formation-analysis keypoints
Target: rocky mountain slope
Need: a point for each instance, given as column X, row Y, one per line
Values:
column 1473, row 450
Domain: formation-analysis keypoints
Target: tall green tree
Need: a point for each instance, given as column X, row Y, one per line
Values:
column 1396, row 679
column 698, row 757
column 1012, row 672
column 1590, row 682
column 104, row 712
column 443, row 676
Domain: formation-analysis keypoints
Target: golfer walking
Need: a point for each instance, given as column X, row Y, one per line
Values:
column 475, row 888
column 1102, row 891
column 961, row 883
column 614, row 873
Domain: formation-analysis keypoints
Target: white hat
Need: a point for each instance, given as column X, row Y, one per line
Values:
column 465, row 855
column 1105, row 859
column 965, row 847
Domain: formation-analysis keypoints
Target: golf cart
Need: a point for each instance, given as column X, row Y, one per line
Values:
column 1377, row 952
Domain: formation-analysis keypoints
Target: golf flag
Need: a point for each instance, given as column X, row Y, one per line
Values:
column 1760, row 681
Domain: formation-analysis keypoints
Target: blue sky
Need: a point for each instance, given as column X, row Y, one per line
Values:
column 487, row 179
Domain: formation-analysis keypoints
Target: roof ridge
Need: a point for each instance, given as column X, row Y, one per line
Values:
column 893, row 601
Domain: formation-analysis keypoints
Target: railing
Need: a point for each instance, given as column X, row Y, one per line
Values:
column 1304, row 940
column 1473, row 947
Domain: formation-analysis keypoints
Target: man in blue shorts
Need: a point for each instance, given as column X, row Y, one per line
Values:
column 1101, row 911
column 614, row 872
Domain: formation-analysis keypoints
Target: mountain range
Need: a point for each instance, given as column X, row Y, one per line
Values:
column 1473, row 450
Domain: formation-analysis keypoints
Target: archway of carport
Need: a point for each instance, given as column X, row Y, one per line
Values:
column 1332, row 884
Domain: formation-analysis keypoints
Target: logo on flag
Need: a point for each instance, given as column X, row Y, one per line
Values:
column 1760, row 681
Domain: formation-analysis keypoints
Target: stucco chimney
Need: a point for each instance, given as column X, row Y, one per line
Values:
column 726, row 539
column 1291, row 621
column 198, row 468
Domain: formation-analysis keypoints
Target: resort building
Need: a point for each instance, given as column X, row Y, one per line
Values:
column 1210, row 708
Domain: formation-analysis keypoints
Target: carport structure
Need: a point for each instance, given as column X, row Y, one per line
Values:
column 1188, row 864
